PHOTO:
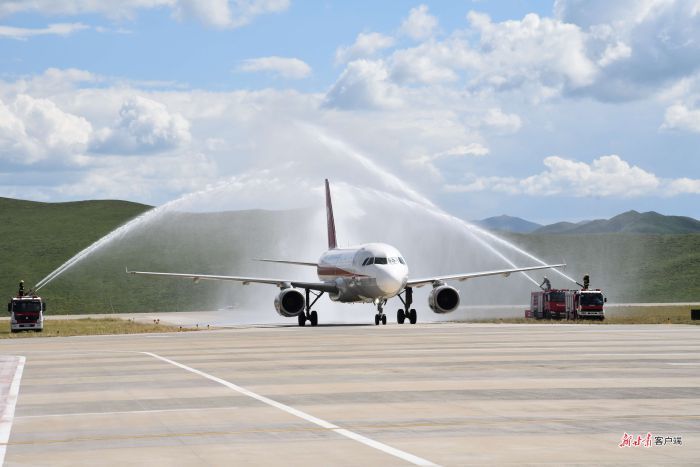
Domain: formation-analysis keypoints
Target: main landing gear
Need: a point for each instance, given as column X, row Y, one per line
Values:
column 380, row 316
column 410, row 313
column 307, row 314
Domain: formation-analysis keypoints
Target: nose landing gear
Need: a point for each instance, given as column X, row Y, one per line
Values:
column 380, row 316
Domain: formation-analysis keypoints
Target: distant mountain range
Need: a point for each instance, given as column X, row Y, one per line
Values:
column 627, row 222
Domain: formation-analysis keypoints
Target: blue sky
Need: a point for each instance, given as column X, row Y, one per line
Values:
column 545, row 110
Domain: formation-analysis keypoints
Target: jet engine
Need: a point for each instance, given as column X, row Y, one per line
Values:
column 443, row 299
column 289, row 302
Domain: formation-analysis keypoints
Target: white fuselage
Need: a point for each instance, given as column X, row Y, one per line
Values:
column 373, row 271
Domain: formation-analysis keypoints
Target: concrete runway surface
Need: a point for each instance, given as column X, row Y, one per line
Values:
column 448, row 394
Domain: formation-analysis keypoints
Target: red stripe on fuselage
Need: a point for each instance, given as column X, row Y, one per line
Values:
column 334, row 271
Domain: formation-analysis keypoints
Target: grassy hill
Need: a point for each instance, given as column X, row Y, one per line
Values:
column 630, row 267
column 38, row 237
column 632, row 222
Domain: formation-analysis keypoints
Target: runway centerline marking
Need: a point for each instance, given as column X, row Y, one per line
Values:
column 415, row 460
column 9, row 412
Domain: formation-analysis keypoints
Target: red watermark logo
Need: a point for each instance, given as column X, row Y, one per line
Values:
column 632, row 441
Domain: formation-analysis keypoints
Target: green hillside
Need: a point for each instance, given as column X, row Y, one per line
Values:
column 39, row 237
column 630, row 267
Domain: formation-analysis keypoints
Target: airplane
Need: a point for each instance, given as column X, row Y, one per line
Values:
column 368, row 273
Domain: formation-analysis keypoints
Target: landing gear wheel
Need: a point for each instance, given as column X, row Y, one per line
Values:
column 400, row 316
column 383, row 319
column 376, row 319
column 313, row 317
column 412, row 316
column 302, row 319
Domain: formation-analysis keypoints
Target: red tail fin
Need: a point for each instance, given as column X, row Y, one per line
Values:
column 332, row 243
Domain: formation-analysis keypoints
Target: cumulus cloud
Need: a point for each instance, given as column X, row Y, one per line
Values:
column 292, row 68
column 58, row 29
column 502, row 122
column 420, row 24
column 426, row 163
column 216, row 13
column 33, row 130
column 366, row 45
column 225, row 13
column 143, row 126
column 680, row 117
column 641, row 45
column 431, row 62
column 607, row 176
column 541, row 49
column 364, row 84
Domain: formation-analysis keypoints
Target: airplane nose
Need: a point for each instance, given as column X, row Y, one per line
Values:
column 389, row 282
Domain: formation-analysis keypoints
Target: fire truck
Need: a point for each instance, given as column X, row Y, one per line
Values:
column 567, row 304
column 585, row 304
column 548, row 304
column 26, row 311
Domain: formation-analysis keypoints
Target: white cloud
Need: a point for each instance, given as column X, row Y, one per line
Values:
column 502, row 122
column 144, row 126
column 33, row 130
column 431, row 62
column 215, row 13
column 226, row 13
column 680, row 117
column 607, row 176
column 683, row 186
column 364, row 84
column 122, row 9
column 366, row 45
column 292, row 68
column 427, row 163
column 614, row 52
column 420, row 24
column 540, row 49
column 59, row 29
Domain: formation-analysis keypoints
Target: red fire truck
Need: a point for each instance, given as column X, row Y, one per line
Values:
column 567, row 304
column 585, row 304
column 26, row 311
column 547, row 304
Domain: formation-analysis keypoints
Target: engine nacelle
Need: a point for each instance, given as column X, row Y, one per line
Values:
column 443, row 299
column 289, row 302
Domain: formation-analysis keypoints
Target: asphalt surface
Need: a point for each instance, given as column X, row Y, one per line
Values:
column 448, row 394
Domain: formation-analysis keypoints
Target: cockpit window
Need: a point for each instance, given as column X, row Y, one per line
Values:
column 367, row 261
column 401, row 260
column 379, row 260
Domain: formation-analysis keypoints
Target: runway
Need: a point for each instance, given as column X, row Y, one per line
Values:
column 445, row 394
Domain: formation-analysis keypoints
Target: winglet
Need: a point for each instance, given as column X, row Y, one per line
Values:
column 332, row 243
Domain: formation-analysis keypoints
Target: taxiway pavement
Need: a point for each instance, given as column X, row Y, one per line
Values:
column 449, row 394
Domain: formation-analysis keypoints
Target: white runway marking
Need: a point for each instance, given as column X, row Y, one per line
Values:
column 9, row 413
column 684, row 363
column 415, row 460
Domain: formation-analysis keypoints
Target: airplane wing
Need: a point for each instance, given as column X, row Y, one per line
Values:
column 463, row 277
column 320, row 286
column 282, row 261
